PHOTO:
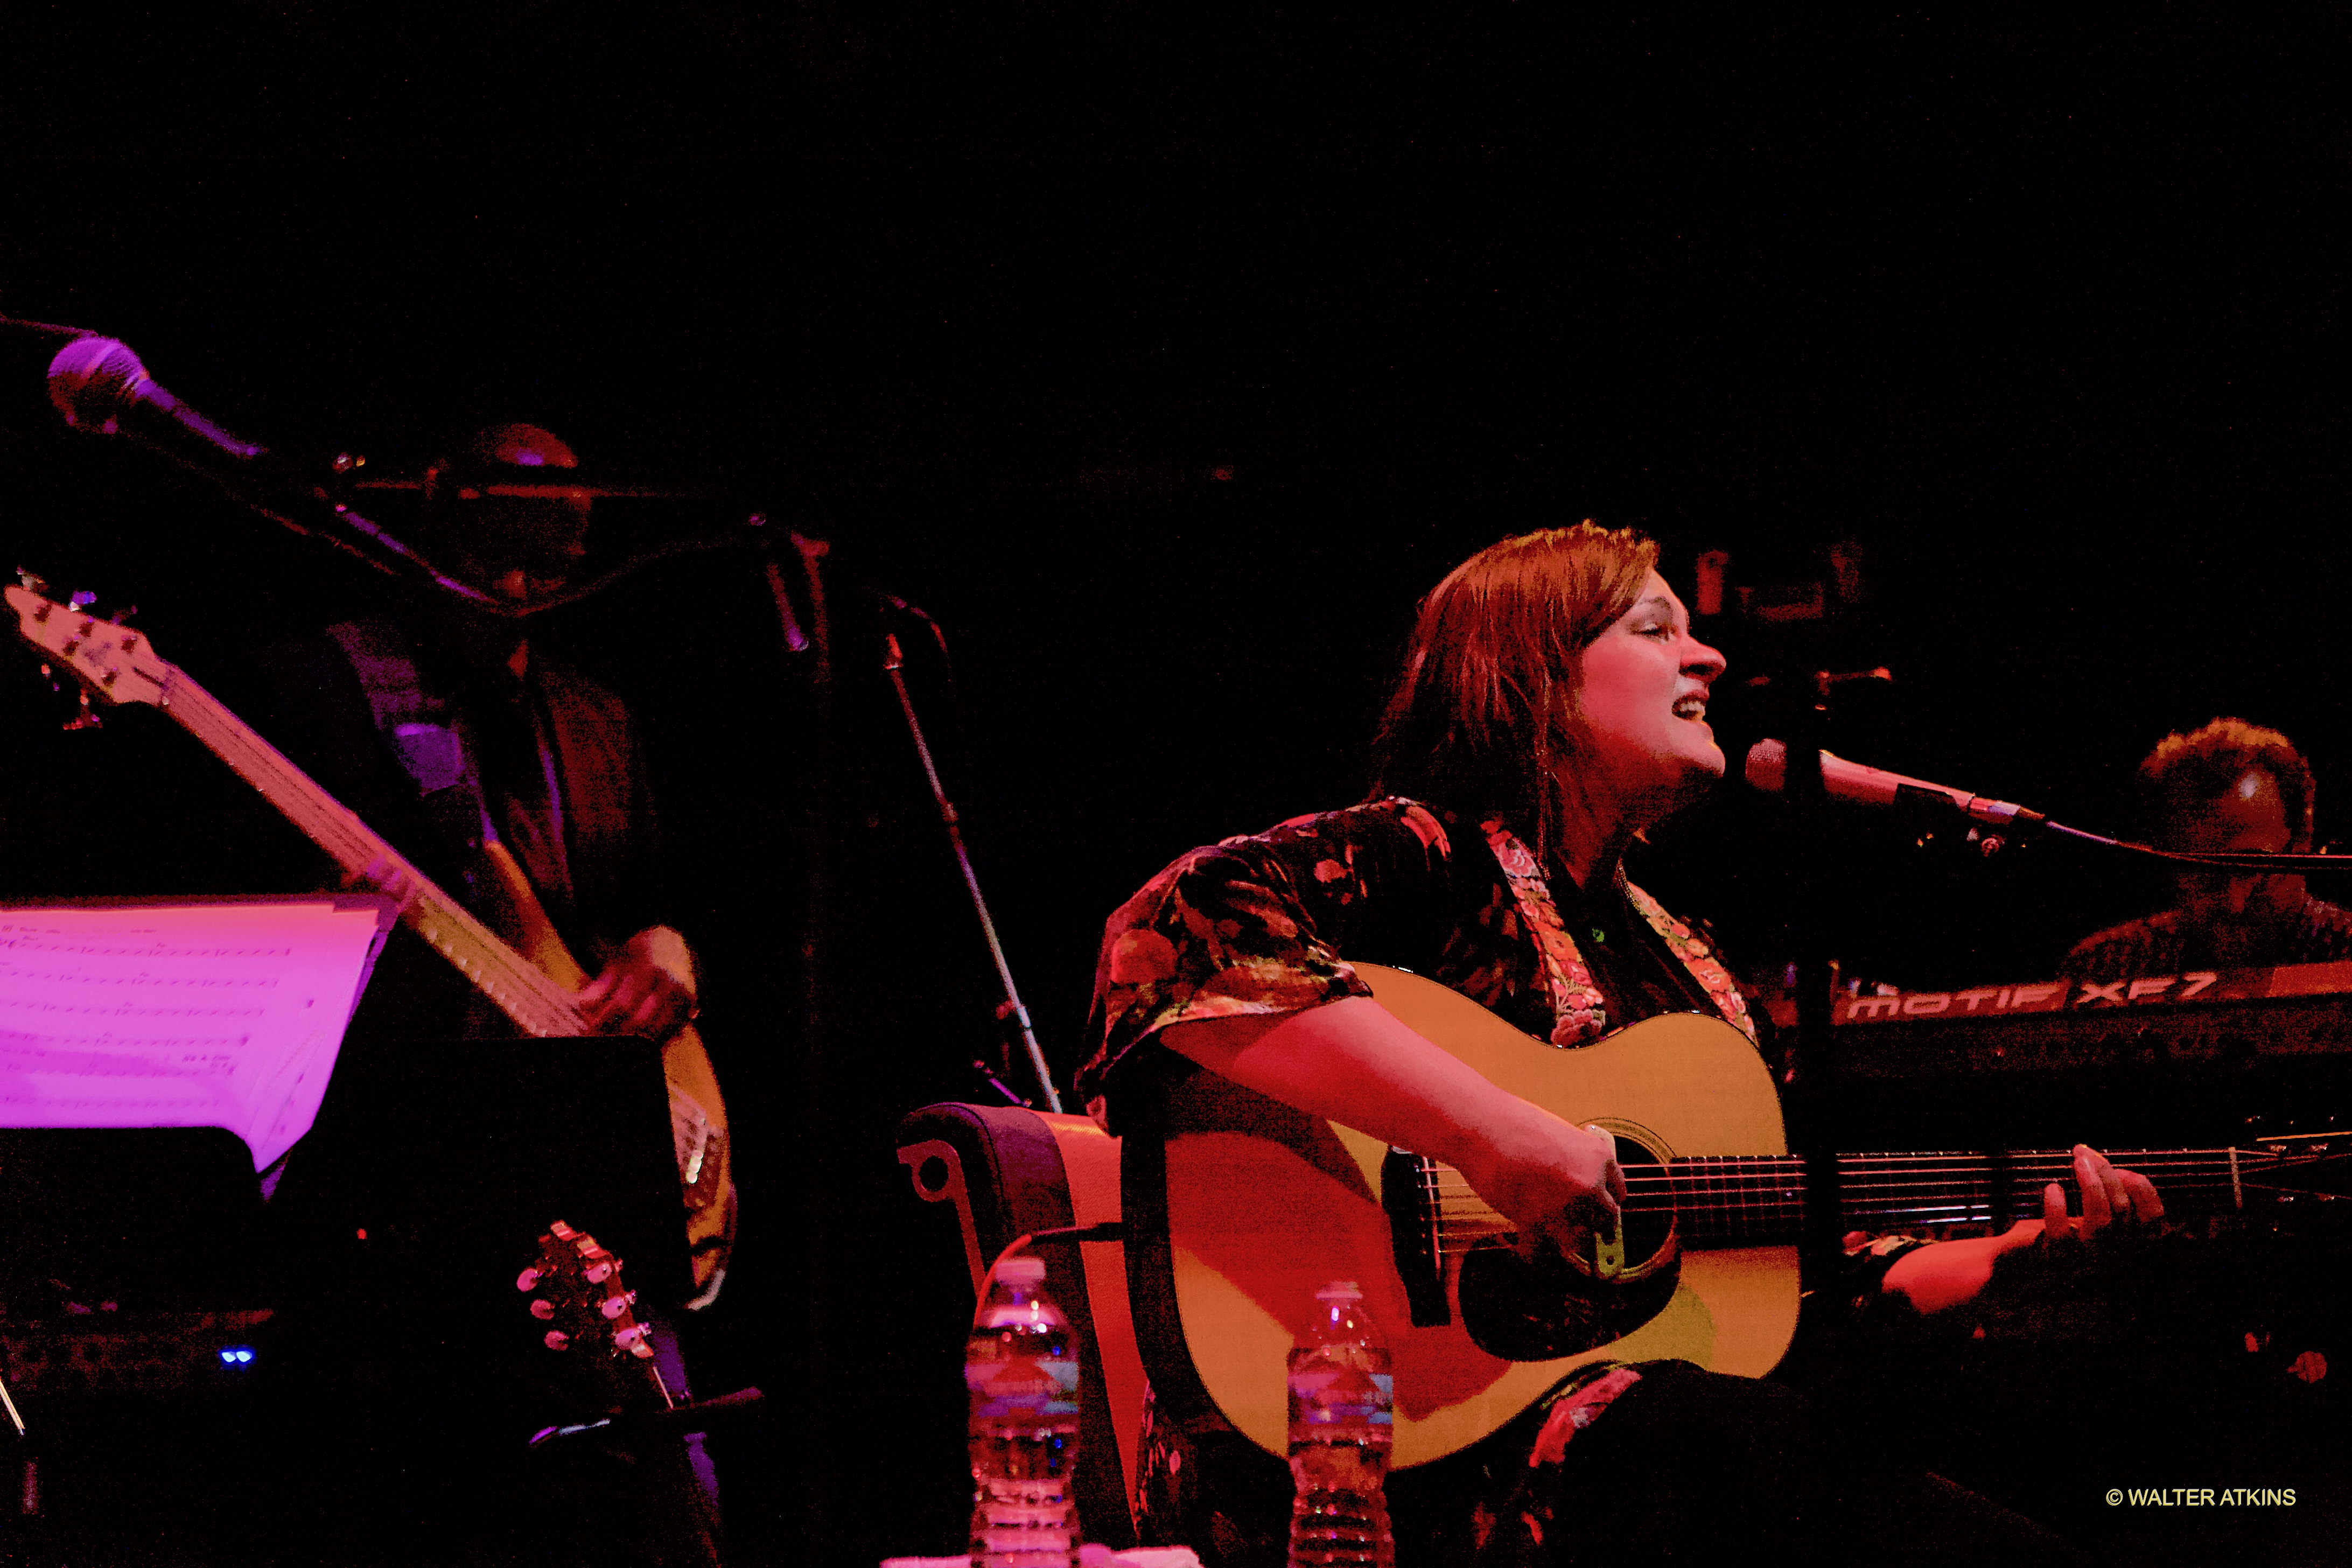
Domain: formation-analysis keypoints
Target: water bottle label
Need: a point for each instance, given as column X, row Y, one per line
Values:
column 1022, row 1386
column 1326, row 1394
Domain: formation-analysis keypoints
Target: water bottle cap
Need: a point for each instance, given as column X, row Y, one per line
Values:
column 1339, row 1290
column 1022, row 1270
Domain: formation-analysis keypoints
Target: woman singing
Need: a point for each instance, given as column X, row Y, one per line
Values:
column 1552, row 706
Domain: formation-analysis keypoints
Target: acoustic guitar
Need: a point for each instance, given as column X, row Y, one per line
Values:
column 1263, row 1204
column 116, row 663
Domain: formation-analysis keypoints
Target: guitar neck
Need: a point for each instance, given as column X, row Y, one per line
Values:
column 1754, row 1201
column 536, row 1004
column 1731, row 1198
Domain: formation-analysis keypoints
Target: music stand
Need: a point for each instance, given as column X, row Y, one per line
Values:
column 150, row 1218
column 409, row 1372
column 453, row 1156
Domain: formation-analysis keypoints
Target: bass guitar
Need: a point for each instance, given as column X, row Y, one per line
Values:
column 1263, row 1205
column 116, row 663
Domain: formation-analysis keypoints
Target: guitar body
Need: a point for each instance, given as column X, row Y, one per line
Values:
column 1264, row 1204
column 697, row 1114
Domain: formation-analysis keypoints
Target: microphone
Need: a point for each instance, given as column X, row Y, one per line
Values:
column 98, row 385
column 1767, row 770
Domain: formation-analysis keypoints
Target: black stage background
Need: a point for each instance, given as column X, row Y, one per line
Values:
column 1167, row 401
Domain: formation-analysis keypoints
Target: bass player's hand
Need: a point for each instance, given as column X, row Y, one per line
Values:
column 647, row 990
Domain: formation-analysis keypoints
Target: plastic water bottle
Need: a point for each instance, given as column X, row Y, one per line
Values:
column 1021, row 1366
column 1342, row 1422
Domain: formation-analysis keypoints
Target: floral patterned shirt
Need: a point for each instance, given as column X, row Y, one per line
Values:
column 1261, row 923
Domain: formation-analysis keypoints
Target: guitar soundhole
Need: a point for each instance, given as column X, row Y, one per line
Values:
column 1536, row 1310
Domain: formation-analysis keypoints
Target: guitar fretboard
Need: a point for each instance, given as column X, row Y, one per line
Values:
column 1760, row 1200
column 1730, row 1201
column 536, row 1004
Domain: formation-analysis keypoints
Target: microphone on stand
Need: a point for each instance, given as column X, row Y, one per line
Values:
column 1767, row 770
column 98, row 385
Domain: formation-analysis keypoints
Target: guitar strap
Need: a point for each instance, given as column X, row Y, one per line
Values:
column 1577, row 1003
column 431, row 740
column 425, row 735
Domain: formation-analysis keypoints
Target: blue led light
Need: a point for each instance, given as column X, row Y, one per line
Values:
column 236, row 1355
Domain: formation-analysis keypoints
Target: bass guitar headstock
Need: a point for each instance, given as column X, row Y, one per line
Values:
column 114, row 662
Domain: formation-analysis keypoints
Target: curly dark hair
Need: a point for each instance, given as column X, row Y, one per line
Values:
column 2187, row 770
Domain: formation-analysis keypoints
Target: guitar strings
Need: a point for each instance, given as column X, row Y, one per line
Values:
column 1895, row 1172
column 354, row 846
column 1727, row 1194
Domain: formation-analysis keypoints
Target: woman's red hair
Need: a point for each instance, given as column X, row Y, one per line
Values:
column 1485, row 713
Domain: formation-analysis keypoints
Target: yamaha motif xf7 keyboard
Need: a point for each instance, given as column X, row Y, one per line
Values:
column 2236, row 1053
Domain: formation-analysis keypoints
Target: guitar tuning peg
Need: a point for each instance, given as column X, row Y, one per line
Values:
column 34, row 583
column 613, row 1306
column 597, row 1273
column 528, row 1280
column 543, row 1311
column 556, row 1339
column 83, row 599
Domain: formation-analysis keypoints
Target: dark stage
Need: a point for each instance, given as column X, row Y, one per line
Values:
column 2029, row 394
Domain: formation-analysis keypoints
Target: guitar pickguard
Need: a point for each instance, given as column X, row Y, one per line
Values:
column 1536, row 1310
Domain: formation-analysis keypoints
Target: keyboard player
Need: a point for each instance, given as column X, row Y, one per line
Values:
column 2235, row 787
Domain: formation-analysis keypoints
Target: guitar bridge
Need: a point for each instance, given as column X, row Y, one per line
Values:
column 1409, row 1194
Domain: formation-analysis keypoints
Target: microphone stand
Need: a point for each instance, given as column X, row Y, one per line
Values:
column 894, row 660
column 1814, row 1072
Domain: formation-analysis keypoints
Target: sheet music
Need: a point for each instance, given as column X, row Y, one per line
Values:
column 181, row 1014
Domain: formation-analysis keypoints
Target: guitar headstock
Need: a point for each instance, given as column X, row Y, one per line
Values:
column 114, row 662
column 577, row 1290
